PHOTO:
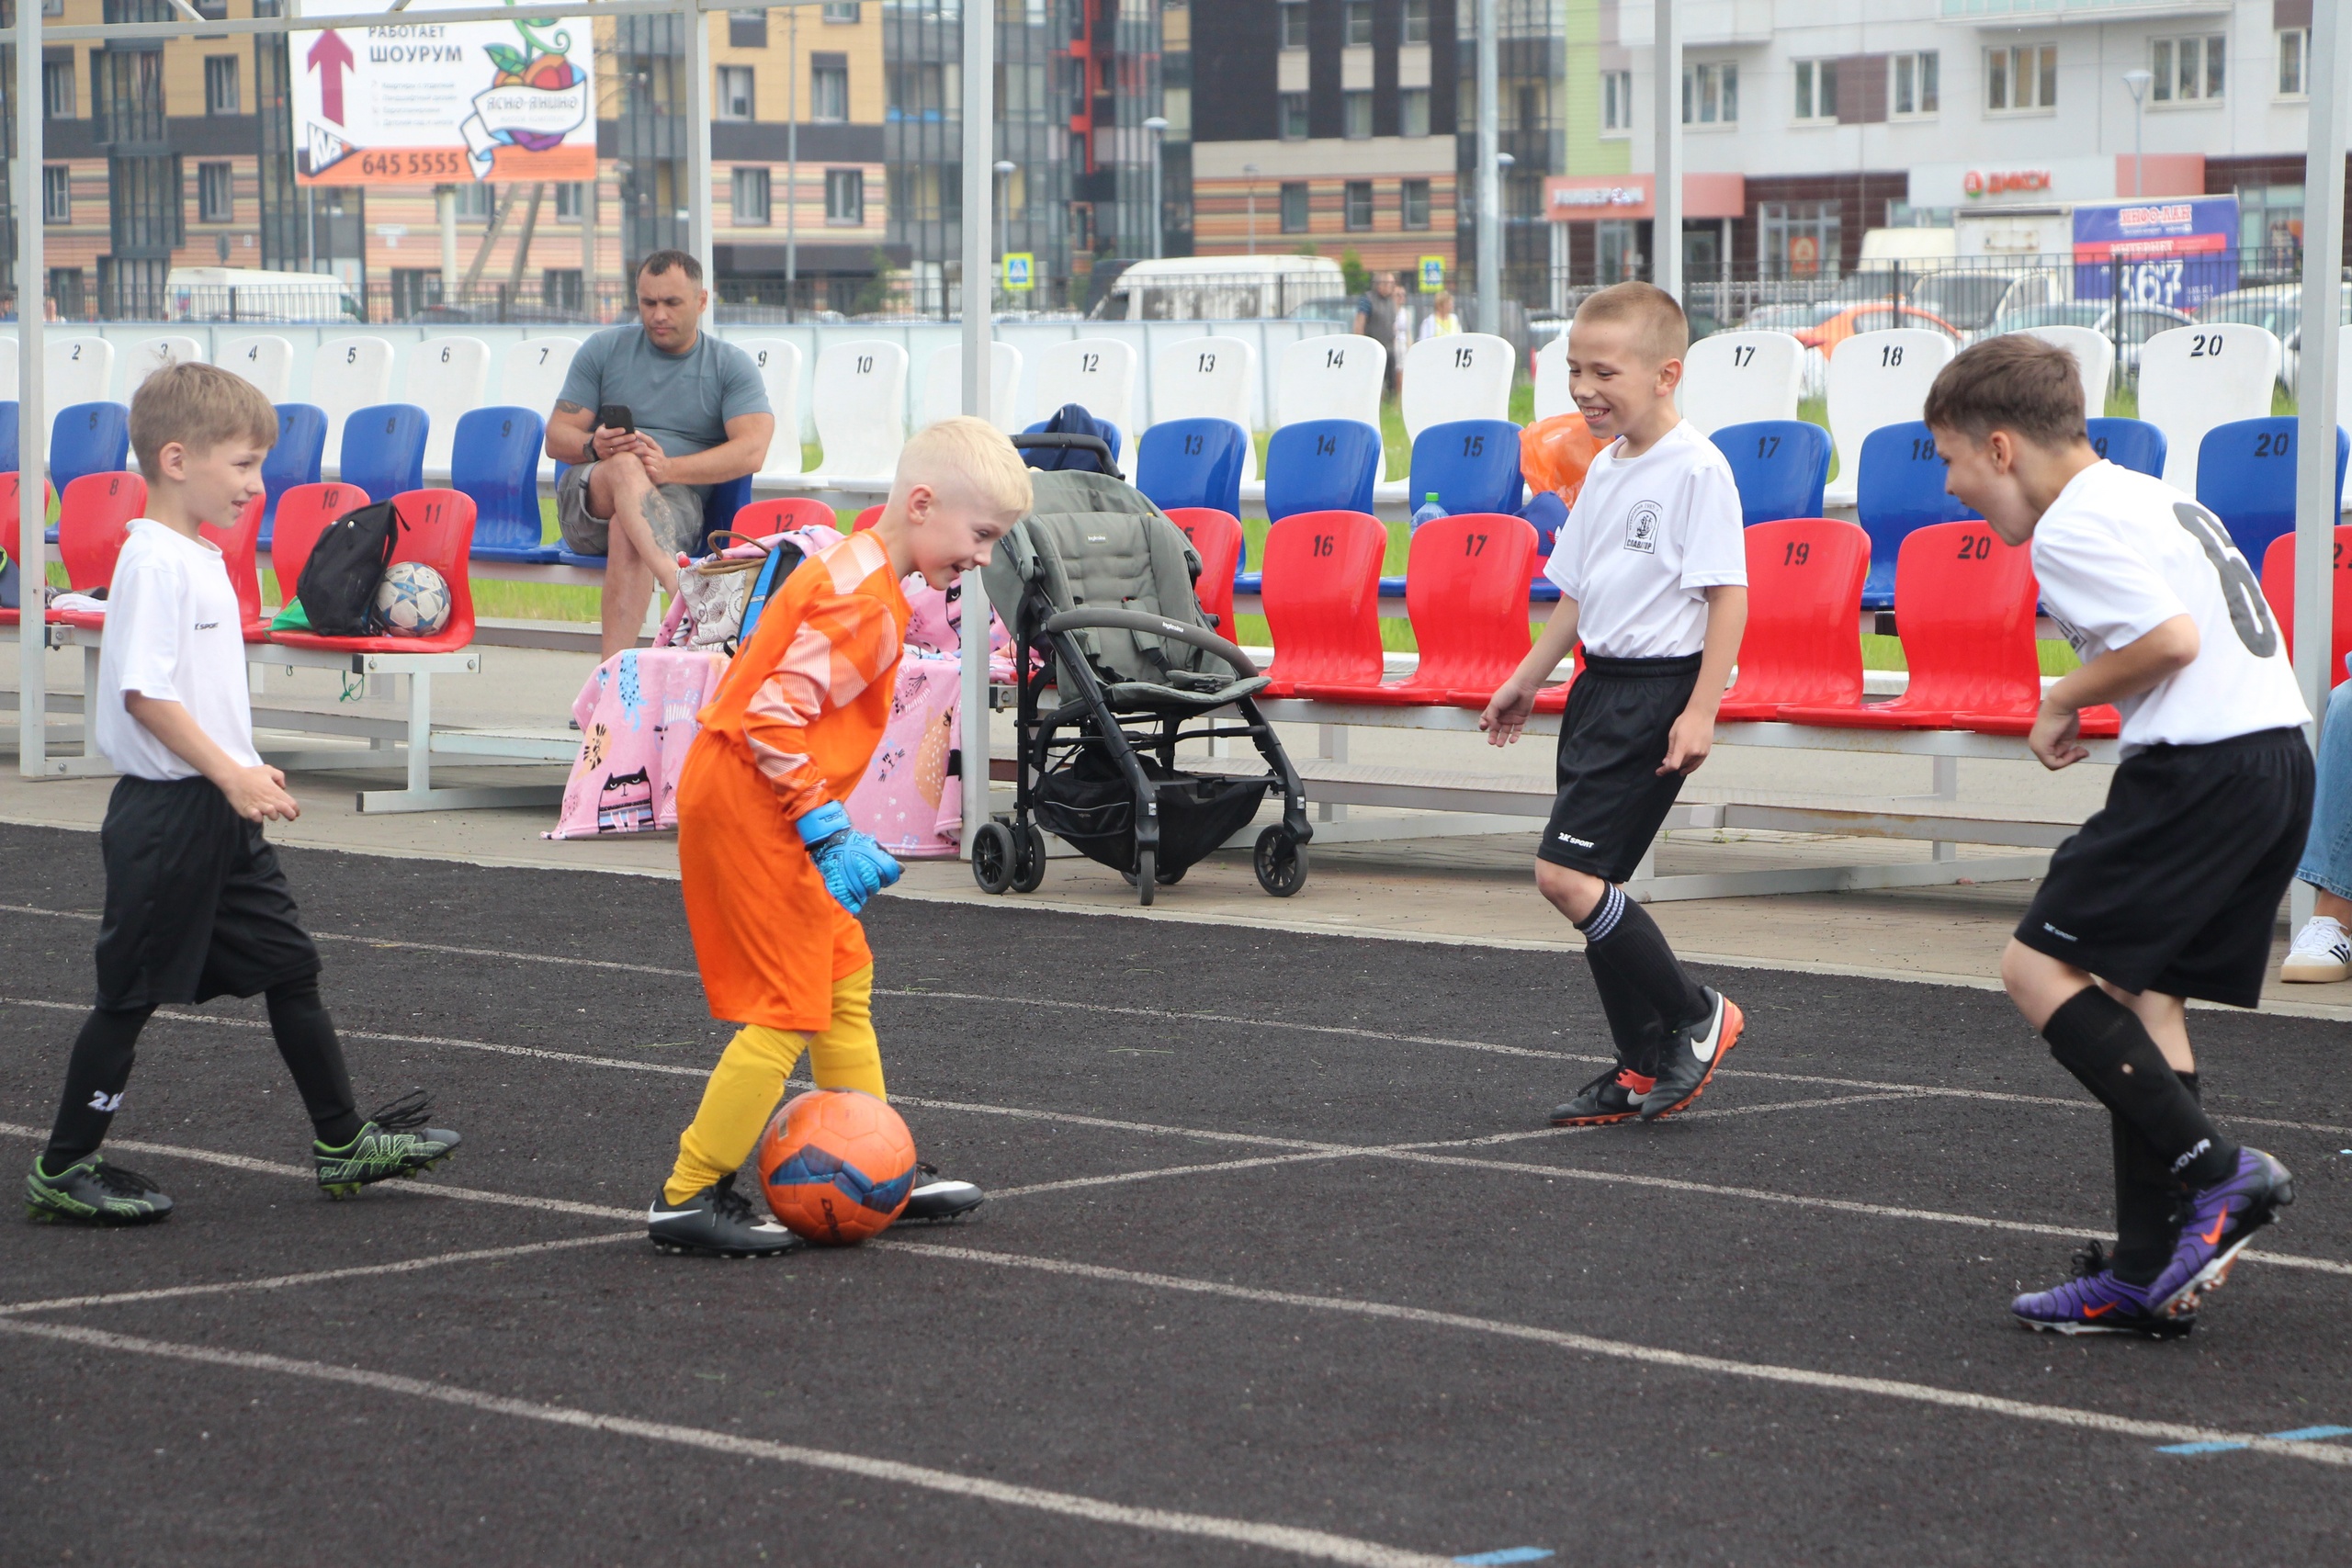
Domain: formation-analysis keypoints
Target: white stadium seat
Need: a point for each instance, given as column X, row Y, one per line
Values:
column 1208, row 378
column 778, row 362
column 80, row 370
column 2094, row 350
column 448, row 377
column 151, row 354
column 1096, row 373
column 1336, row 376
column 1878, row 378
column 860, row 393
column 1465, row 375
column 1737, row 377
column 943, row 385
column 1552, row 394
column 348, row 373
column 531, row 377
column 2192, row 379
column 265, row 360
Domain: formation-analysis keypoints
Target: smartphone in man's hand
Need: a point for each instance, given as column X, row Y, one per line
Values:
column 616, row 416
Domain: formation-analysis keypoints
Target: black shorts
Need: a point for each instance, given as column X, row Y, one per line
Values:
column 2174, row 885
column 196, row 906
column 1612, row 799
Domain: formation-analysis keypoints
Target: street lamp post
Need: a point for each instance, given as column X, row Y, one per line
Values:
column 1251, row 170
column 1157, row 126
column 2138, row 82
column 1003, row 218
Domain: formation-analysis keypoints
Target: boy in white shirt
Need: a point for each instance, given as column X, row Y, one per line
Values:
column 1652, row 568
column 196, row 906
column 2170, row 890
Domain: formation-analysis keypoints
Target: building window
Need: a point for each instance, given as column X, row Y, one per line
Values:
column 751, row 198
column 1291, row 23
column 1413, row 112
column 560, row 287
column 841, row 10
column 56, row 194
column 2271, row 218
column 1294, row 220
column 57, row 88
column 1294, row 116
column 1355, row 115
column 734, row 93
column 747, row 29
column 1417, row 22
column 2294, row 56
column 1359, row 204
column 2188, row 70
column 845, row 196
column 2024, row 77
column 1616, row 103
column 1413, row 197
column 214, row 204
column 1711, row 92
column 568, row 195
column 1800, row 237
column 65, row 287
column 220, row 83
column 1358, row 19
column 1816, row 97
column 1916, row 89
column 829, row 88
column 473, row 199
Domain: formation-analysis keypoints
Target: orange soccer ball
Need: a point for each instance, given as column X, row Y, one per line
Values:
column 836, row 1165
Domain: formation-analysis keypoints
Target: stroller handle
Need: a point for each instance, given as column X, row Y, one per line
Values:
column 1152, row 626
column 1048, row 439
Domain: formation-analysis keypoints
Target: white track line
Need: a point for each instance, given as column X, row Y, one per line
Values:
column 1319, row 1545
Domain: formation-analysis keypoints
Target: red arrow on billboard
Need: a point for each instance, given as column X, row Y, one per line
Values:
column 331, row 57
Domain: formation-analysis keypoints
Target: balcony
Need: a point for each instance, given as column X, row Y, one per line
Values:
column 2058, row 12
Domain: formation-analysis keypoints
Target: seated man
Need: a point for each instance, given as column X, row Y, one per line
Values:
column 701, row 417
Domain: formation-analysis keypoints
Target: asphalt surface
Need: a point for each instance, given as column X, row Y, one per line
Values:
column 1196, row 1341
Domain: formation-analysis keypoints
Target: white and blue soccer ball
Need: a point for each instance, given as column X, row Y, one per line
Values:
column 412, row 601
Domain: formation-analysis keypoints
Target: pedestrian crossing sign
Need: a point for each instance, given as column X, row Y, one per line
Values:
column 1432, row 274
column 1020, row 270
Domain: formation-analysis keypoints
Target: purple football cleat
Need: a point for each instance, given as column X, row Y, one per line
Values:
column 2096, row 1301
column 2221, row 1219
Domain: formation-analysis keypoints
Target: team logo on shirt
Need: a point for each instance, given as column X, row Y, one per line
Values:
column 1641, row 527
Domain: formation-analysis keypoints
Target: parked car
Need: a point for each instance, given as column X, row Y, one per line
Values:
column 2277, row 306
column 1876, row 316
column 1789, row 317
column 2140, row 322
column 1220, row 289
column 1971, row 301
column 249, row 294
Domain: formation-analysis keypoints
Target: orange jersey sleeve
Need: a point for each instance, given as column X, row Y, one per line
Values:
column 843, row 645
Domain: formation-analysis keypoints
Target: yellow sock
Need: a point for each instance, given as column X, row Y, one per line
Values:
column 845, row 1055
column 736, row 1104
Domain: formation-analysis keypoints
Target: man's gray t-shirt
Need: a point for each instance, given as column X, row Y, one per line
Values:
column 682, row 400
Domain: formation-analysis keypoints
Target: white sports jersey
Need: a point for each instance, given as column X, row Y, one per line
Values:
column 1647, row 536
column 173, row 633
column 2118, row 555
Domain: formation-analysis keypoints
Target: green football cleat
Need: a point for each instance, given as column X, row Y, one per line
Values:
column 92, row 1192
column 395, row 1142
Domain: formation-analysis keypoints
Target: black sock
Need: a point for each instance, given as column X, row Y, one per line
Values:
column 306, row 1039
column 1633, row 1024
column 2147, row 1199
column 94, row 1077
column 2104, row 1043
column 1620, row 932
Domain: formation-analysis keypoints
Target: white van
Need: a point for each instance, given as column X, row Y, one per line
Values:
column 249, row 294
column 1219, row 289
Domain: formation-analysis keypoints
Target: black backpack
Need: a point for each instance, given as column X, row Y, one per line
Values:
column 346, row 567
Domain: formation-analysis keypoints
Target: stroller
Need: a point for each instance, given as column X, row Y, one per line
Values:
column 1097, row 586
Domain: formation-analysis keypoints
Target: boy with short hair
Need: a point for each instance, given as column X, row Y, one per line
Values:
column 196, row 906
column 1652, row 568
column 773, row 873
column 2170, row 890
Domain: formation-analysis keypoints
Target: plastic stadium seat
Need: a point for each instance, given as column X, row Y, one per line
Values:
column 1208, row 378
column 301, row 443
column 1471, row 465
column 439, row 535
column 1321, row 596
column 2192, row 379
column 1096, row 373
column 1903, row 488
column 348, row 374
column 447, row 377
column 1192, row 462
column 93, row 521
column 2100, row 722
column 302, row 514
column 76, row 369
column 88, row 438
column 778, row 363
column 1465, row 588
column 151, row 354
column 1463, row 376
column 238, row 545
column 1781, row 466
column 1964, row 604
column 531, row 377
column 2132, row 444
column 1741, row 379
column 265, row 360
column 1804, row 643
column 943, row 385
column 2278, row 589
column 1216, row 536
column 494, row 457
column 860, row 399
column 9, row 436
column 761, row 518
column 1336, row 376
column 383, row 448
column 2246, row 476
column 1875, row 379
column 2093, row 353
column 1321, row 465
column 9, row 499
column 867, row 519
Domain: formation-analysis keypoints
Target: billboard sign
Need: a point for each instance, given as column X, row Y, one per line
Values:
column 2178, row 251
column 435, row 103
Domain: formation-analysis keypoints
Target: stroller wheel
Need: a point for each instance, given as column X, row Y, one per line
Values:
column 1280, row 861
column 1165, row 877
column 1029, row 867
column 1146, row 878
column 993, row 857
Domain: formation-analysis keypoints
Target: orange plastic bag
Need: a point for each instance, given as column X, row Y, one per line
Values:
column 1554, row 453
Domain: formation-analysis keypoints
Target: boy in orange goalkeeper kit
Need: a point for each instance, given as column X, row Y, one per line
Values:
column 772, row 872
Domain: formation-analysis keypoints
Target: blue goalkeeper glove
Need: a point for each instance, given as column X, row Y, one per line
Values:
column 854, row 867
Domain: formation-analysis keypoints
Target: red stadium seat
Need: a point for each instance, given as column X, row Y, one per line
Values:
column 92, row 523
column 1322, row 600
column 867, row 519
column 236, row 544
column 1804, row 642
column 8, row 498
column 762, row 518
column 1964, row 603
column 440, row 535
column 2099, row 723
column 2278, row 587
column 303, row 514
column 1217, row 536
column 1465, row 588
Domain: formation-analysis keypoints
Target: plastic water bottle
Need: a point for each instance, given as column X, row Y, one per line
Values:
column 1429, row 512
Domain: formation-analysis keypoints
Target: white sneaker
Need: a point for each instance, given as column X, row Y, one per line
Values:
column 2323, row 953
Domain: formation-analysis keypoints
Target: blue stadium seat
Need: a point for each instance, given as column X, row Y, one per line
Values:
column 2131, row 444
column 1192, row 462
column 495, row 459
column 717, row 513
column 302, row 446
column 2246, row 476
column 1317, row 465
column 9, row 436
column 383, row 448
column 1901, row 488
column 1781, row 465
column 1472, row 464
column 88, row 438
